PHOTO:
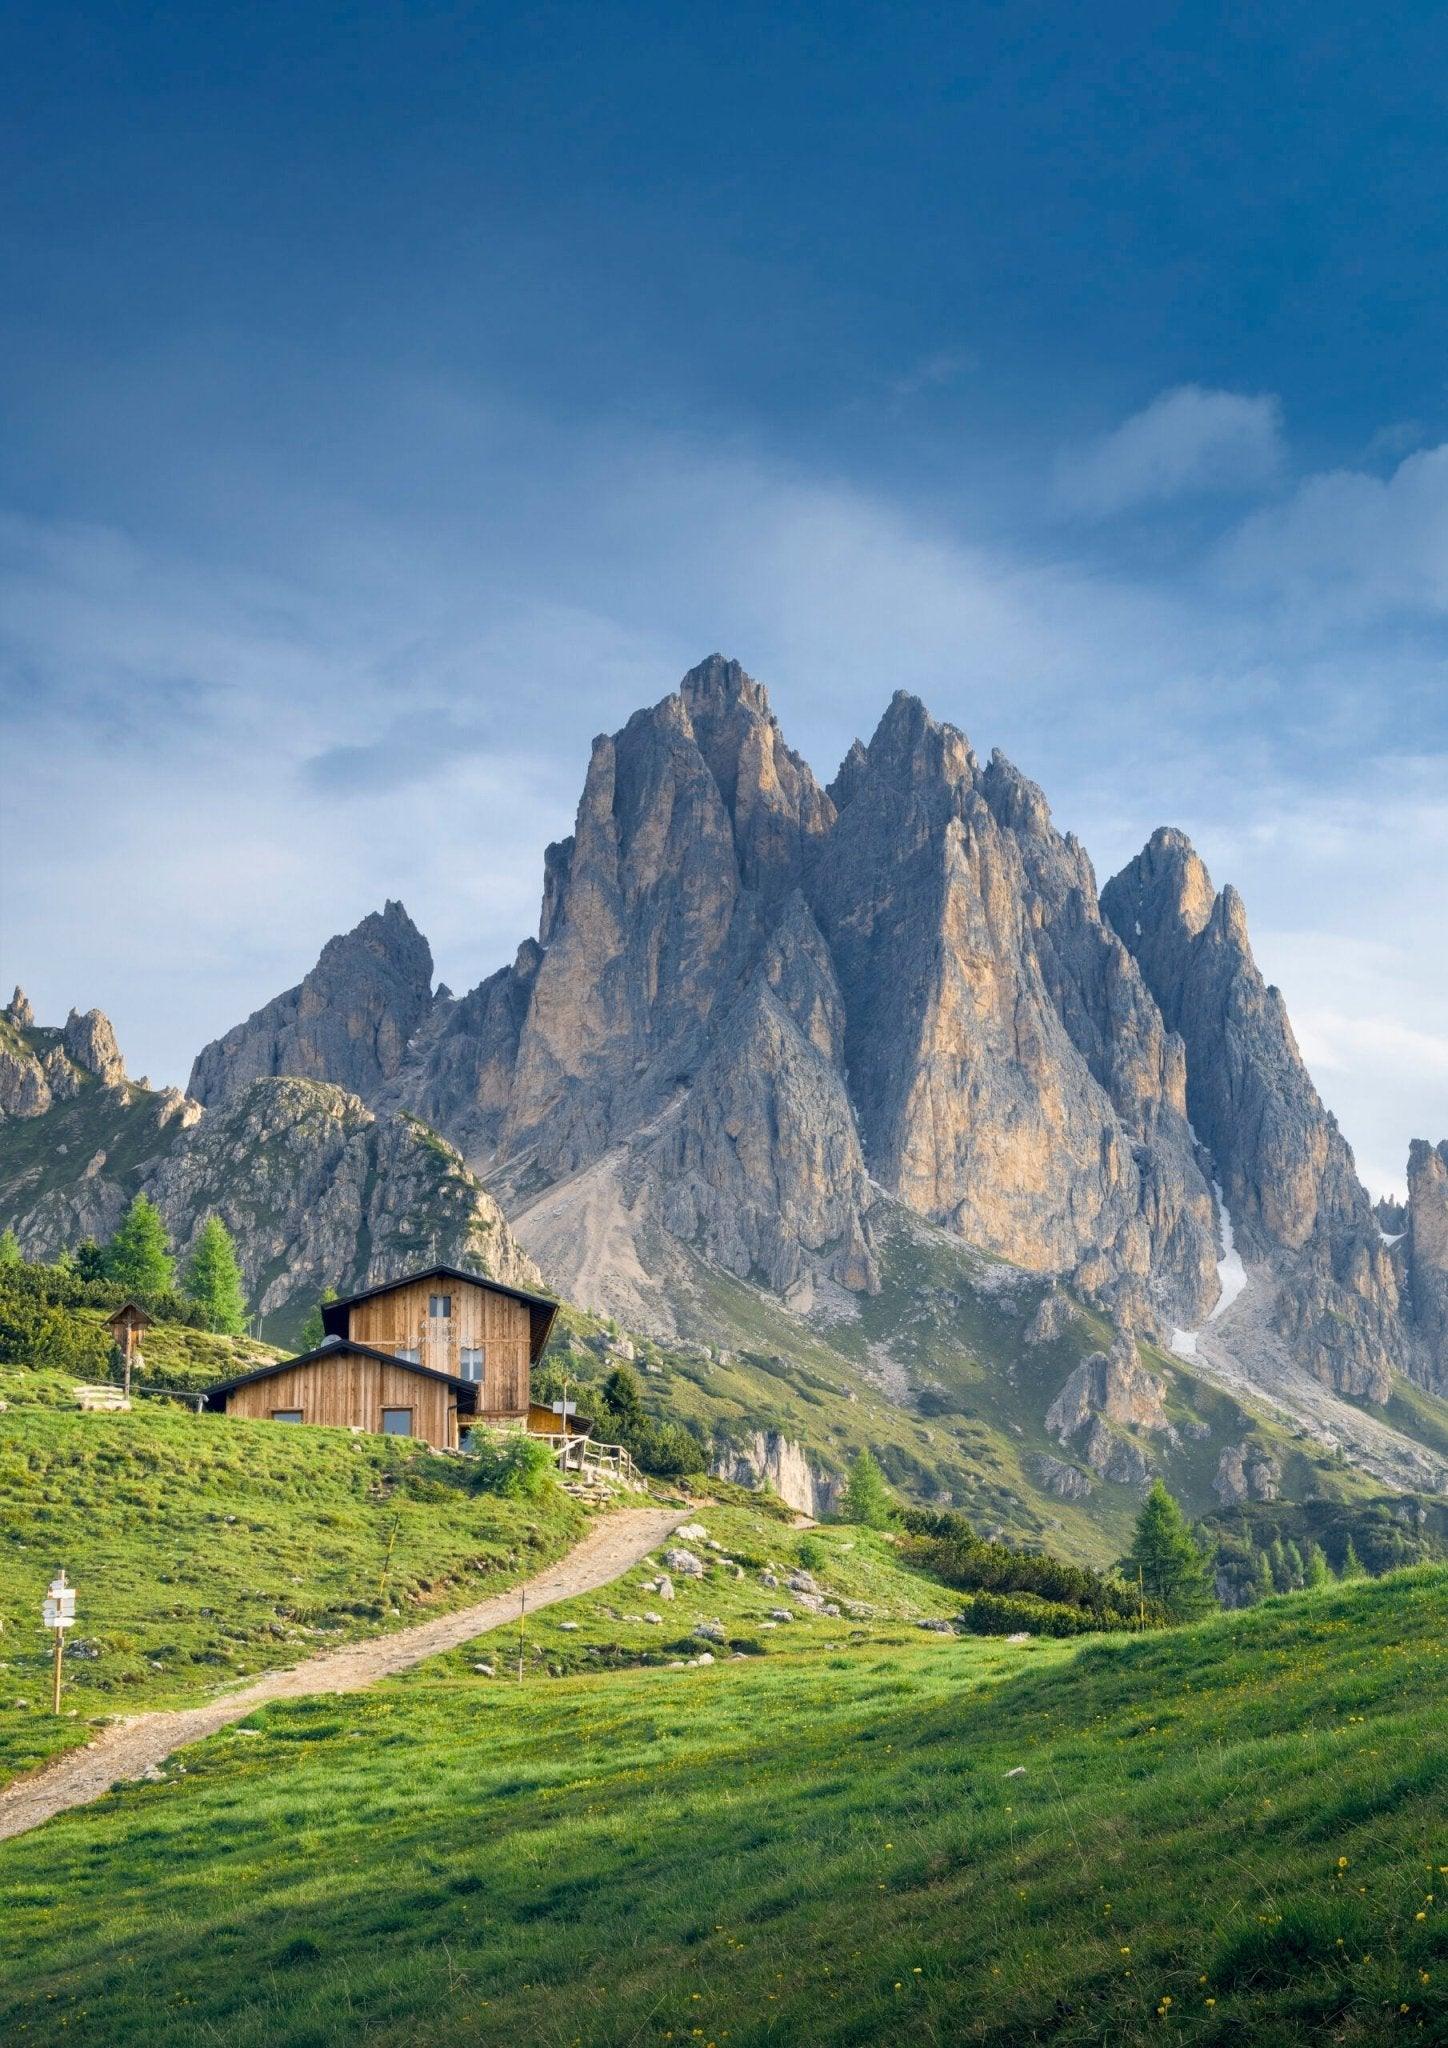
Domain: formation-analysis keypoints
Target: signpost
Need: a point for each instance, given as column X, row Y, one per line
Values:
column 59, row 1616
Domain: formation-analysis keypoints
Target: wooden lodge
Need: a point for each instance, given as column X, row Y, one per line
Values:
column 424, row 1356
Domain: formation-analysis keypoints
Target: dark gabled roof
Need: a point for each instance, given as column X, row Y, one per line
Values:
column 132, row 1308
column 344, row 1347
column 542, row 1308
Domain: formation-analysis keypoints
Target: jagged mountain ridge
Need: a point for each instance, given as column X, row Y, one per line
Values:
column 757, row 1007
column 317, row 1188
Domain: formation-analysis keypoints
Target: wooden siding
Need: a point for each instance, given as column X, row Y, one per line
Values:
column 348, row 1391
column 398, row 1321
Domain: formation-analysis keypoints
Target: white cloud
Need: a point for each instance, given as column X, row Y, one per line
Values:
column 1188, row 442
column 1350, row 546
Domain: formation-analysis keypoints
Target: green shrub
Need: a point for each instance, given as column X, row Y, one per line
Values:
column 511, row 1463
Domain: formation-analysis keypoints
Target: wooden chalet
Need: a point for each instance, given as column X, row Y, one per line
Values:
column 424, row 1356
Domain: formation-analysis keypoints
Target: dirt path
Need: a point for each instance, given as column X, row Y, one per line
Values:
column 130, row 1748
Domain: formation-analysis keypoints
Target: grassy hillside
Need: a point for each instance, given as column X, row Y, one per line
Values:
column 1235, row 1833
column 206, row 1548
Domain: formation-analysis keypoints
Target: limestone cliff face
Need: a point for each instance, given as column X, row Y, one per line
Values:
column 1427, row 1261
column 348, row 1022
column 978, row 981
column 691, row 830
column 762, row 1165
column 1285, row 1169
column 766, row 1458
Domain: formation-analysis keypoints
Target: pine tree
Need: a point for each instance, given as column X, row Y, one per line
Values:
column 1319, row 1571
column 1352, row 1564
column 213, row 1279
column 1165, row 1553
column 1265, row 1587
column 1296, row 1569
column 1281, row 1571
column 625, row 1397
column 313, row 1332
column 866, row 1498
column 10, row 1254
column 138, row 1258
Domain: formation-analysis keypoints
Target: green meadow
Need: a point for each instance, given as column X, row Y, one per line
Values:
column 1231, row 1833
column 205, row 1549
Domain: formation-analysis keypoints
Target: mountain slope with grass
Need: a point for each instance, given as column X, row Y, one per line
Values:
column 1232, row 1832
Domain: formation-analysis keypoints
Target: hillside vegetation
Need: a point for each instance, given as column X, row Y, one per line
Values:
column 1232, row 1833
column 205, row 1548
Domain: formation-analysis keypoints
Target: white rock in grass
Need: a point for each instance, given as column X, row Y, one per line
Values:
column 665, row 1588
column 705, row 1657
column 485, row 1670
column 684, row 1563
column 1018, row 1772
column 571, row 1626
column 691, row 1530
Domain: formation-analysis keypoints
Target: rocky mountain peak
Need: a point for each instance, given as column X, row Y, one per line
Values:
column 848, row 775
column 910, row 748
column 18, row 1010
column 350, row 1020
column 90, row 1041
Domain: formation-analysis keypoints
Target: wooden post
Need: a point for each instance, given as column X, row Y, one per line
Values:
column 522, row 1613
column 59, row 1652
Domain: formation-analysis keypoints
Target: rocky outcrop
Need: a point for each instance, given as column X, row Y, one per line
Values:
column 1114, row 1385
column 39, row 1067
column 1247, row 1472
column 1066, row 1482
column 1285, row 1169
column 90, row 1042
column 316, row 1189
column 349, row 1021
column 24, row 1088
column 766, row 1458
column 1108, row 1395
column 1427, row 1256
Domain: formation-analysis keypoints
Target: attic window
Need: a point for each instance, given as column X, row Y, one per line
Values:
column 439, row 1304
column 413, row 1356
column 470, row 1362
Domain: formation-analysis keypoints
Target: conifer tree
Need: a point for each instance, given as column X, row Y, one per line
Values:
column 1265, row 1587
column 1296, row 1568
column 213, row 1279
column 138, row 1258
column 10, row 1254
column 1352, row 1564
column 1165, row 1554
column 866, row 1498
column 1319, row 1571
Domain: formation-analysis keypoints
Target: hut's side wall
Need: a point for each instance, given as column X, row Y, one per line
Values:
column 348, row 1391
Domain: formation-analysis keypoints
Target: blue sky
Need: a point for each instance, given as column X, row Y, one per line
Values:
column 393, row 397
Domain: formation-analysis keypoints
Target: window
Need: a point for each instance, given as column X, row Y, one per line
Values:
column 439, row 1304
column 397, row 1422
column 286, row 1415
column 471, row 1361
column 413, row 1356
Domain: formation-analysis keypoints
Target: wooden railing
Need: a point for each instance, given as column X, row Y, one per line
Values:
column 593, row 1460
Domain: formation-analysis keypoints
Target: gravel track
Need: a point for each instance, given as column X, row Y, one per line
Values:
column 130, row 1748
